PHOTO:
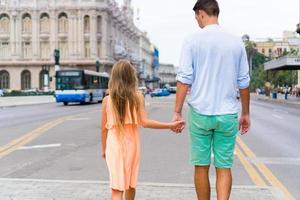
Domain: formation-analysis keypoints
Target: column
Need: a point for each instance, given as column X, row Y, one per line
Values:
column 53, row 31
column 71, row 32
column 93, row 36
column 35, row 35
column 80, row 35
column 19, row 36
column 12, row 41
column 298, row 78
column 105, row 38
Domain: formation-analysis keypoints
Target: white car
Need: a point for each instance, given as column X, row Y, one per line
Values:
column 1, row 93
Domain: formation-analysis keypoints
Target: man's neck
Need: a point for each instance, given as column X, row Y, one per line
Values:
column 212, row 21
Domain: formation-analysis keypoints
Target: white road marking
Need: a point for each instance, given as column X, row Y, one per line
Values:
column 280, row 111
column 276, row 161
column 39, row 146
column 277, row 116
column 79, row 119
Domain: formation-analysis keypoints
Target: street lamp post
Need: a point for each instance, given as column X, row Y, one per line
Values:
column 97, row 66
column 56, row 58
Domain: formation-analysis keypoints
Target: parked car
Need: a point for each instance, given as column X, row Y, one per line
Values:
column 172, row 89
column 1, row 93
column 160, row 93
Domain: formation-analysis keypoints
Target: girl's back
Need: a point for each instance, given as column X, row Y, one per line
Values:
column 122, row 150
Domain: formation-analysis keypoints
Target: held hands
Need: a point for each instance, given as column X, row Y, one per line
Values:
column 177, row 117
column 244, row 124
column 176, row 125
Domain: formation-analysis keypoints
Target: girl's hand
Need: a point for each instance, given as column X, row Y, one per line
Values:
column 177, row 125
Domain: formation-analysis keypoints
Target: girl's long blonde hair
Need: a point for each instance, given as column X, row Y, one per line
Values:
column 123, row 90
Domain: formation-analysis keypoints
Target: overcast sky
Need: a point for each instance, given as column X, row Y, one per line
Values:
column 168, row 22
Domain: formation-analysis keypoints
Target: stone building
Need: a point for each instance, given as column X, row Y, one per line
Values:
column 83, row 30
column 167, row 74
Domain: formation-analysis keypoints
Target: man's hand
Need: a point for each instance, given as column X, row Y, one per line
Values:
column 244, row 124
column 178, row 117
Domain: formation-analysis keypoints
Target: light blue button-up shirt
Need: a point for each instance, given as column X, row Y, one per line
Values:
column 215, row 64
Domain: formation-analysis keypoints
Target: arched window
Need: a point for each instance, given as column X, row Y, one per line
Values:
column 44, row 23
column 99, row 24
column 4, row 23
column 4, row 79
column 42, row 79
column 63, row 26
column 87, row 24
column 26, row 80
column 263, row 51
column 26, row 23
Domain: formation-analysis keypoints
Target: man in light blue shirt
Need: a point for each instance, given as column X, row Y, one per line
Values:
column 214, row 65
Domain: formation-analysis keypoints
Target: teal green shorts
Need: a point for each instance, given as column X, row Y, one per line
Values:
column 215, row 133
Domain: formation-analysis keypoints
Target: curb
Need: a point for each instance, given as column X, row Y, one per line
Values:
column 278, row 101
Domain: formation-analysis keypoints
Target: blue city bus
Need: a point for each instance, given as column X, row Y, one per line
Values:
column 81, row 86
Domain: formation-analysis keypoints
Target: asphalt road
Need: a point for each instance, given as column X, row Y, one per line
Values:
column 54, row 142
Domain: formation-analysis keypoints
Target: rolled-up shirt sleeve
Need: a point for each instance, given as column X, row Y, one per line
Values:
column 185, row 73
column 243, row 80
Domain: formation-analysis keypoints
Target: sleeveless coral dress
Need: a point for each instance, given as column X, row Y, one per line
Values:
column 122, row 155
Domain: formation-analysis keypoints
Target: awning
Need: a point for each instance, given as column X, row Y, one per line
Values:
column 284, row 63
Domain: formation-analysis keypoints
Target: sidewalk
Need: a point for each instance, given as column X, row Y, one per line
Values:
column 27, row 100
column 26, row 189
column 293, row 101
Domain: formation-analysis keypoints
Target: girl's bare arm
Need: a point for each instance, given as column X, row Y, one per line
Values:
column 103, row 127
column 149, row 123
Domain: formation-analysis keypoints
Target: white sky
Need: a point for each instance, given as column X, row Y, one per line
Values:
column 168, row 22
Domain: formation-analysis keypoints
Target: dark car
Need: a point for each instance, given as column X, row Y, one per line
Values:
column 172, row 90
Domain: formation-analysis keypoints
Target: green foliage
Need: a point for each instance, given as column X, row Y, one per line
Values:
column 277, row 78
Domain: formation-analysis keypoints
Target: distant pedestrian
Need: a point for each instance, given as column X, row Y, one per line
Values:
column 214, row 63
column 123, row 113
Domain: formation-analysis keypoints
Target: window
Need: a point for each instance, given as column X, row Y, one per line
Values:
column 87, row 49
column 44, row 23
column 26, row 80
column 99, row 24
column 87, row 24
column 63, row 26
column 263, row 51
column 26, row 46
column 63, row 47
column 4, row 79
column 26, row 23
column 4, row 50
column 4, row 23
column 45, row 50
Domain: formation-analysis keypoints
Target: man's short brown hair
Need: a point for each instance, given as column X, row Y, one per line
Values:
column 211, row 7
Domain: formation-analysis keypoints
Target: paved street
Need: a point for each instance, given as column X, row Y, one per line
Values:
column 50, row 151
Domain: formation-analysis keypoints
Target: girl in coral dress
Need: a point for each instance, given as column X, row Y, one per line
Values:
column 123, row 113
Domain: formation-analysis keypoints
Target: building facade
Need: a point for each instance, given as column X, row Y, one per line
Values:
column 146, row 55
column 275, row 48
column 83, row 30
column 167, row 74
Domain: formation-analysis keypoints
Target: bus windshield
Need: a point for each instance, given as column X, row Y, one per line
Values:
column 69, row 83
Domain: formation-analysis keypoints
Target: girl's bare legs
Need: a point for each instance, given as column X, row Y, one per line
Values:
column 116, row 195
column 130, row 194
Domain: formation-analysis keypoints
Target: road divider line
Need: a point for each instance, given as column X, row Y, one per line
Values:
column 272, row 179
column 25, row 139
column 39, row 146
column 253, row 174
